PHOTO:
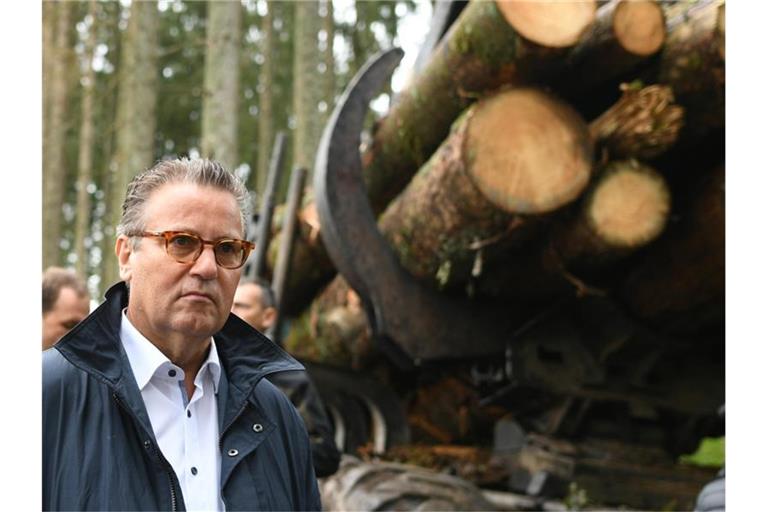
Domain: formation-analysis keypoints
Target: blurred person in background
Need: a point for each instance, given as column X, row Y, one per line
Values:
column 65, row 303
column 255, row 303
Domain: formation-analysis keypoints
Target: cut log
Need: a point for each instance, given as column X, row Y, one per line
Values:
column 520, row 152
column 556, row 24
column 483, row 50
column 625, row 33
column 680, row 284
column 334, row 330
column 692, row 62
column 625, row 208
column 488, row 45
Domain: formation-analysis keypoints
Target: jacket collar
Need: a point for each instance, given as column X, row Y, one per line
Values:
column 94, row 346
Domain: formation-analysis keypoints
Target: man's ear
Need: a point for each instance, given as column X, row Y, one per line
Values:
column 123, row 251
column 268, row 317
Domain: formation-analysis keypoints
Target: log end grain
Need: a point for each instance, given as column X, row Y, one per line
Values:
column 639, row 26
column 549, row 23
column 630, row 205
column 527, row 152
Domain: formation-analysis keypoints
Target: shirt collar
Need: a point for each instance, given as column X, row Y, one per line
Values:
column 145, row 358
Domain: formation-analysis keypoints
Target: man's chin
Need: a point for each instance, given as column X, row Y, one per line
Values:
column 199, row 325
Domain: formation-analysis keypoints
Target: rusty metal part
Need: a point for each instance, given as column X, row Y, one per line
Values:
column 411, row 322
column 282, row 266
column 257, row 260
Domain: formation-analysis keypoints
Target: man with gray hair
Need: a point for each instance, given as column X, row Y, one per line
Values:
column 158, row 399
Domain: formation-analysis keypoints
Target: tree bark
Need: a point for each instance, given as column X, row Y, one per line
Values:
column 222, row 83
column 85, row 150
column 54, row 159
column 108, row 130
column 481, row 52
column 644, row 123
column 518, row 153
column 626, row 207
column 329, row 60
column 692, row 62
column 625, row 33
column 137, row 99
column 333, row 330
column 266, row 118
column 49, row 33
column 305, row 93
column 680, row 284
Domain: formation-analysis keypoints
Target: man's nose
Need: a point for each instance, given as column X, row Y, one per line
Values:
column 205, row 266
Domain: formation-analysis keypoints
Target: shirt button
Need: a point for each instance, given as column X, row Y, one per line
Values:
column 257, row 427
column 189, row 414
column 171, row 373
column 194, row 470
column 232, row 452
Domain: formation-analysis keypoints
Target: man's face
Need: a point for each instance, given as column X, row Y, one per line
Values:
column 169, row 299
column 66, row 312
column 248, row 306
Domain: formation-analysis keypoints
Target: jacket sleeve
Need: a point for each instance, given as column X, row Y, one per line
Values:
column 299, row 388
column 291, row 450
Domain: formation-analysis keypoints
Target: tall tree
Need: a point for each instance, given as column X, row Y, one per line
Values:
column 221, row 83
column 330, row 76
column 54, row 162
column 137, row 98
column 106, row 126
column 305, row 93
column 85, row 148
column 49, row 32
column 266, row 117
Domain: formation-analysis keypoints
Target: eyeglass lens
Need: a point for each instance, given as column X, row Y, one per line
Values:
column 228, row 253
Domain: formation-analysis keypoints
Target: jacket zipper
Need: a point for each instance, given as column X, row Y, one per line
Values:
column 160, row 457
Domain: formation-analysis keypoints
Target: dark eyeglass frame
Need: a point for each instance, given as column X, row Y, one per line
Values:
column 169, row 235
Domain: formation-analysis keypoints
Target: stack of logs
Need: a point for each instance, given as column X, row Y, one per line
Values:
column 549, row 150
column 490, row 181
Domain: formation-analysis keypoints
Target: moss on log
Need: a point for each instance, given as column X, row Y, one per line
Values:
column 482, row 51
column 517, row 153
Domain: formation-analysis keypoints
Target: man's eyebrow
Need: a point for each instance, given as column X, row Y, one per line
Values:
column 240, row 303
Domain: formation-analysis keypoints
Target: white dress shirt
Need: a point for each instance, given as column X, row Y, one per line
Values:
column 186, row 429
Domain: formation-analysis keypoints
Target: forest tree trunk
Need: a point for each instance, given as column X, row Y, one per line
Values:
column 266, row 117
column 54, row 158
column 85, row 150
column 329, row 60
column 137, row 99
column 222, row 83
column 305, row 93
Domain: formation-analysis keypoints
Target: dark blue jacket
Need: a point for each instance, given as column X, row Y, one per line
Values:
column 99, row 450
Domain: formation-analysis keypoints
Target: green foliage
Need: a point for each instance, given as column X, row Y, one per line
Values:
column 577, row 498
column 710, row 453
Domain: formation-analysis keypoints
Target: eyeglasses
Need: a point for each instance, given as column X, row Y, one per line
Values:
column 184, row 247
